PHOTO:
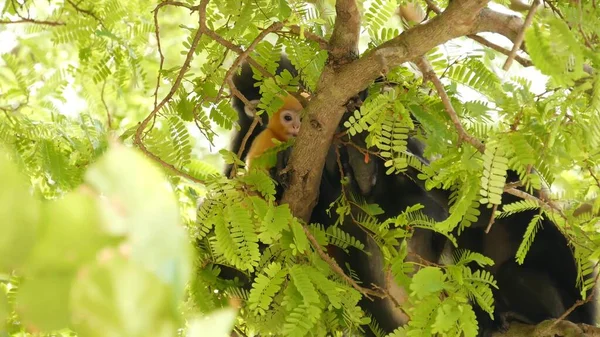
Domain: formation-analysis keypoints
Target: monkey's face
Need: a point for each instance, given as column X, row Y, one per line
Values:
column 290, row 120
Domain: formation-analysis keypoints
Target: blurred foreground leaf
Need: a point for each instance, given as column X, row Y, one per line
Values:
column 43, row 302
column 19, row 214
column 119, row 298
column 139, row 205
column 217, row 324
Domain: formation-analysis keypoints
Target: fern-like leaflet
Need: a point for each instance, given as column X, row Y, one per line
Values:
column 265, row 286
column 495, row 165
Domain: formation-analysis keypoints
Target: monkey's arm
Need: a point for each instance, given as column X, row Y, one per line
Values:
column 261, row 143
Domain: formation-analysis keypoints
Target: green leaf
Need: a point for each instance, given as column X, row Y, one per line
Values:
column 427, row 281
column 284, row 10
column 300, row 240
column 185, row 108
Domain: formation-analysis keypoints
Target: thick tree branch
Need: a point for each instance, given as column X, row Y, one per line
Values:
column 544, row 329
column 491, row 21
column 523, row 61
column 338, row 85
column 343, row 46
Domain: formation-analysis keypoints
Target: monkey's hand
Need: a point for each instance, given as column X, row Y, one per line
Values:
column 281, row 173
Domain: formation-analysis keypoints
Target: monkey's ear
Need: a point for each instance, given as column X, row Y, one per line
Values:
column 249, row 110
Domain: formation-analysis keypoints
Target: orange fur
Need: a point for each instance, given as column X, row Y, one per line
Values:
column 275, row 130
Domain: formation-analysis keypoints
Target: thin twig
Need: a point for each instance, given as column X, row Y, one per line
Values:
column 86, row 12
column 492, row 219
column 387, row 293
column 429, row 74
column 309, row 36
column 37, row 22
column 521, row 36
column 594, row 176
column 180, row 4
column 157, row 35
column 336, row 268
column 554, row 9
column 523, row 61
column 243, row 145
column 108, row 118
column 241, row 96
column 244, row 55
column 577, row 304
column 237, row 49
column 160, row 53
column 524, row 195
column 176, row 84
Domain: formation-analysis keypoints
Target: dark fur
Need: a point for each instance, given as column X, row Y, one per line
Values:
column 542, row 288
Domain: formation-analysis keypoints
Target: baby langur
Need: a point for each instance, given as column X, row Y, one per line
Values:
column 283, row 125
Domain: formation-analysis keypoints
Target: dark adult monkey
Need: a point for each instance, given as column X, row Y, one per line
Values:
column 394, row 193
column 543, row 287
column 369, row 181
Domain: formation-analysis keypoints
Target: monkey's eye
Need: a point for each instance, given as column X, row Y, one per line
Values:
column 288, row 118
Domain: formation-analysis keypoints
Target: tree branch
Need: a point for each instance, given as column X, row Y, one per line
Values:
column 34, row 21
column 561, row 329
column 295, row 29
column 160, row 53
column 86, row 12
column 108, row 118
column 237, row 49
column 343, row 45
column 176, row 84
column 244, row 54
column 523, row 61
column 337, row 86
column 481, row 40
column 336, row 268
column 491, row 21
column 521, row 36
column 463, row 135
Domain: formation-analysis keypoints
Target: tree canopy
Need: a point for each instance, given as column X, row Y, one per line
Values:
column 114, row 125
